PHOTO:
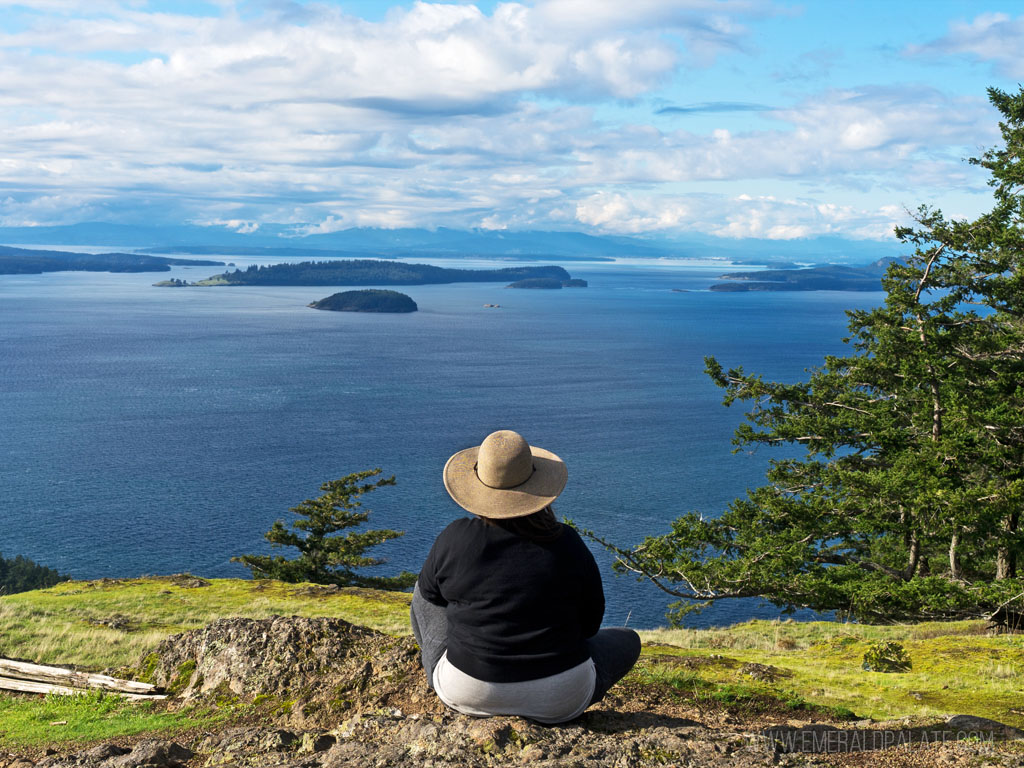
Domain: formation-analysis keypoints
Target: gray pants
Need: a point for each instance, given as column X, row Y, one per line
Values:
column 614, row 649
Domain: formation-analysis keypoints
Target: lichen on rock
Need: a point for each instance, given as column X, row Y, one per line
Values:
column 320, row 667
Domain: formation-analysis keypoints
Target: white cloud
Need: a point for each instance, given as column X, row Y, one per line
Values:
column 708, row 27
column 876, row 134
column 432, row 50
column 740, row 216
column 54, row 208
column 994, row 37
column 439, row 114
column 618, row 213
column 238, row 225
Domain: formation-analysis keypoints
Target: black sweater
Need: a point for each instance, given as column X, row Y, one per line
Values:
column 517, row 609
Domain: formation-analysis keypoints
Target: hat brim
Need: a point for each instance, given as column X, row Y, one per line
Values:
column 539, row 490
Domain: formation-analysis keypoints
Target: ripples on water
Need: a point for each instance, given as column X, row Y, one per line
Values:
column 150, row 430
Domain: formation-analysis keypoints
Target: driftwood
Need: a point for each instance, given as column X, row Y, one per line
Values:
column 36, row 678
column 1005, row 620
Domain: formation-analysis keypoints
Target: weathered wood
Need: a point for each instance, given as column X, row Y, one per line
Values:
column 34, row 686
column 1005, row 620
column 60, row 676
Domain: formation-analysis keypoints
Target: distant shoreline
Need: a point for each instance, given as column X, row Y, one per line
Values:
column 370, row 272
column 28, row 261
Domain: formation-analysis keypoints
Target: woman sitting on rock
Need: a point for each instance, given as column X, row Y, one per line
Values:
column 508, row 607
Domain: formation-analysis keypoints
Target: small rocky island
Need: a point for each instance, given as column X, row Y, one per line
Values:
column 548, row 283
column 369, row 300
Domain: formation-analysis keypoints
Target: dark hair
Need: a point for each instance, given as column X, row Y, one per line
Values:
column 540, row 527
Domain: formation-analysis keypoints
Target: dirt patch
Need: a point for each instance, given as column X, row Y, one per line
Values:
column 316, row 590
column 118, row 621
column 692, row 662
column 765, row 673
column 185, row 580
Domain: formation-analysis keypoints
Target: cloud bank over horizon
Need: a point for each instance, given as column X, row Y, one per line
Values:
column 735, row 118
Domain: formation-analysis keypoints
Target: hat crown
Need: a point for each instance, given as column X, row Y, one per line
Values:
column 505, row 460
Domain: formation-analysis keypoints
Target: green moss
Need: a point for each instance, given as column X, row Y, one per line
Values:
column 148, row 668
column 224, row 697
column 658, row 756
column 284, row 707
column 182, row 677
column 340, row 704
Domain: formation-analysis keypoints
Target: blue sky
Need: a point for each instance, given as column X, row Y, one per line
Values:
column 734, row 118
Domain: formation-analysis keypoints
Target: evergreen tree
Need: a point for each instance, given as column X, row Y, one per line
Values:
column 19, row 574
column 325, row 558
column 906, row 502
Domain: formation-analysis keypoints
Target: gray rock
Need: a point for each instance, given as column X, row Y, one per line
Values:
column 105, row 752
column 316, row 742
column 324, row 667
column 984, row 725
column 153, row 754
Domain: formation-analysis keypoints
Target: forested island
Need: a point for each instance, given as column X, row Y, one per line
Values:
column 27, row 261
column 831, row 277
column 375, row 272
column 368, row 300
column 19, row 574
column 548, row 283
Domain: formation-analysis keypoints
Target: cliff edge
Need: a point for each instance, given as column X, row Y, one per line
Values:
column 295, row 678
column 322, row 692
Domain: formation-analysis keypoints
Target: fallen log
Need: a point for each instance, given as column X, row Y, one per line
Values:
column 33, row 686
column 1006, row 620
column 70, row 679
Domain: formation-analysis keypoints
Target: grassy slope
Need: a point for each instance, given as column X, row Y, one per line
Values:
column 63, row 625
column 957, row 669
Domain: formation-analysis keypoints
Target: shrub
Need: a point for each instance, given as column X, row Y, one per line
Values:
column 886, row 657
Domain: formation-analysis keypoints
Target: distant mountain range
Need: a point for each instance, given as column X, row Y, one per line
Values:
column 371, row 242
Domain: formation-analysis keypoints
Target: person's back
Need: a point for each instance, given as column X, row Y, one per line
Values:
column 508, row 604
column 517, row 609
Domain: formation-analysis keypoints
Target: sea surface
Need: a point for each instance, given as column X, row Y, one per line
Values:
column 157, row 430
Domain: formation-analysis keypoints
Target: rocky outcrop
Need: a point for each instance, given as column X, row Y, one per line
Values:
column 150, row 753
column 310, row 670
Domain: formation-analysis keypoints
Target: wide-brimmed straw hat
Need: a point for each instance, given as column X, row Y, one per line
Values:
column 504, row 477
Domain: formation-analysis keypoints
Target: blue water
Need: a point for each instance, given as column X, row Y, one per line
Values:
column 147, row 430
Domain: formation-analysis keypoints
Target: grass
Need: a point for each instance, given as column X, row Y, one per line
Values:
column 112, row 623
column 957, row 668
column 774, row 635
column 109, row 624
column 29, row 723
